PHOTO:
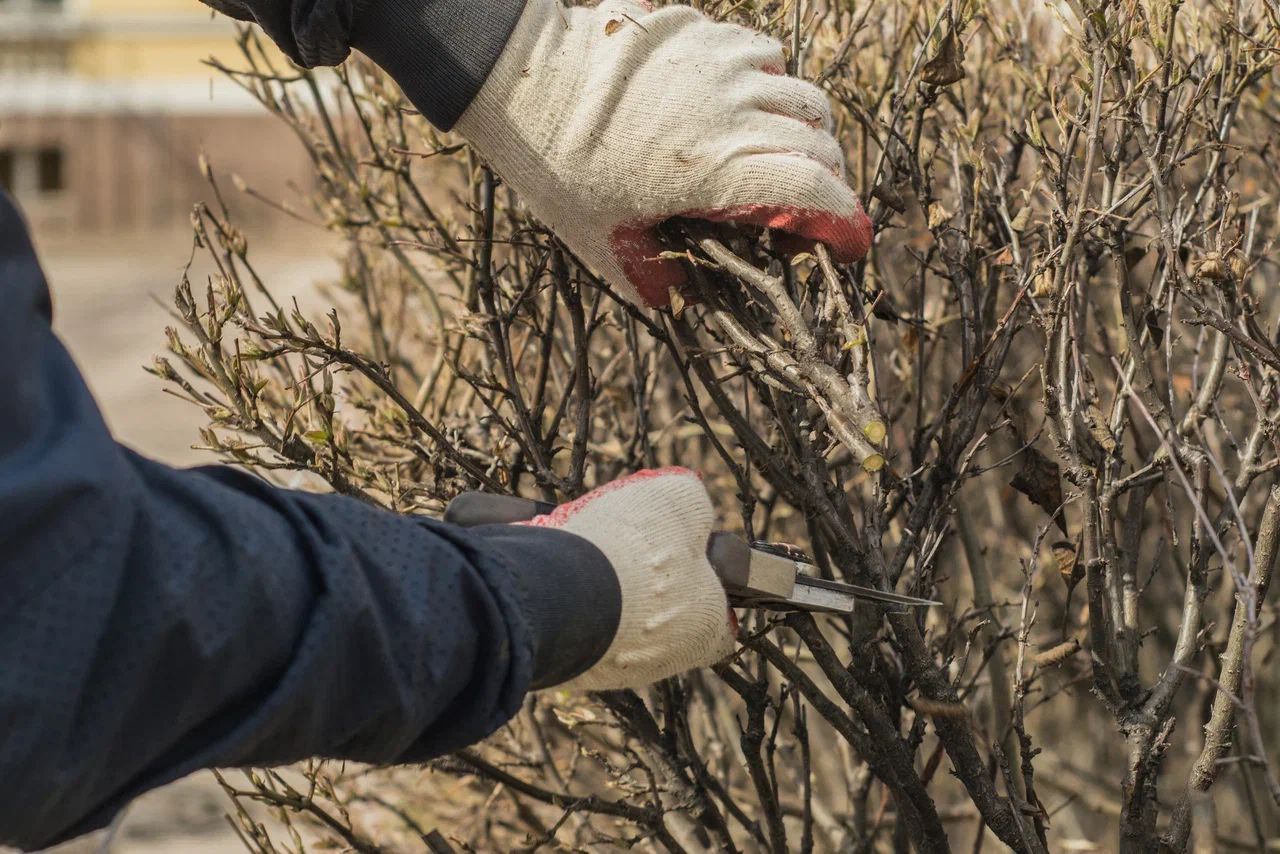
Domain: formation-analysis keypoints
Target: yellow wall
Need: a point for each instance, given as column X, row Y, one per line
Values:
column 143, row 39
column 134, row 7
column 152, row 39
column 150, row 55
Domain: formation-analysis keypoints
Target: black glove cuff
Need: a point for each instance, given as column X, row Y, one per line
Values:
column 439, row 51
column 573, row 601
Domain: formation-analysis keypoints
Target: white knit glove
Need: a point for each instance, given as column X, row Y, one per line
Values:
column 653, row 527
column 607, row 121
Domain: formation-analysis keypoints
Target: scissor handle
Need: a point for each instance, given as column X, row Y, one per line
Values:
column 729, row 556
column 471, row 509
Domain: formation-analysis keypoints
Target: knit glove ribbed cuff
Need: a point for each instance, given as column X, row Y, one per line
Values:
column 653, row 527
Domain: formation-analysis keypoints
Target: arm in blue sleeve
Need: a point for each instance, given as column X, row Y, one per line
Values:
column 439, row 51
column 156, row 621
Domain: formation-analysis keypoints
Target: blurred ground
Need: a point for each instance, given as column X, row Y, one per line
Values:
column 111, row 298
column 106, row 311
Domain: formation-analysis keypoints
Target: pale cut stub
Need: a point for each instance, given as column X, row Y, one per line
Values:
column 609, row 120
column 653, row 527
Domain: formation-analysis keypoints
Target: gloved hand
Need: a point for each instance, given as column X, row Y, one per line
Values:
column 653, row 527
column 610, row 120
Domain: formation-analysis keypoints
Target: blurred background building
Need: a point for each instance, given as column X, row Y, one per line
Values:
column 104, row 105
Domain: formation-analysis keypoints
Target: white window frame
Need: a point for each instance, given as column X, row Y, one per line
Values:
column 26, row 174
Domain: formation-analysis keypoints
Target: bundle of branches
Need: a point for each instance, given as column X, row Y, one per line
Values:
column 1059, row 363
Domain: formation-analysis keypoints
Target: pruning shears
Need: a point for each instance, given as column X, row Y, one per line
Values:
column 761, row 575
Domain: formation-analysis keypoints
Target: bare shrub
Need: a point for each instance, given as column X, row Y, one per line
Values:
column 1057, row 369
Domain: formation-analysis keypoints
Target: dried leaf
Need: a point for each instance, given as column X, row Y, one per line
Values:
column 1239, row 266
column 474, row 323
column 1212, row 268
column 1099, row 429
column 938, row 709
column 1058, row 654
column 612, row 27
column 887, row 194
column 1043, row 285
column 1035, row 809
column 677, row 302
column 938, row 215
column 1033, row 132
column 1005, row 258
column 1021, row 220
column 1152, row 320
column 946, row 66
column 1040, row 480
column 1067, row 555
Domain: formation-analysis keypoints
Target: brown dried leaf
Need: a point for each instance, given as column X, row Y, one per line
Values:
column 1152, row 321
column 474, row 323
column 1040, row 480
column 938, row 215
column 1212, row 267
column 1058, row 654
column 1035, row 809
column 888, row 194
column 1021, row 220
column 677, row 302
column 1239, row 265
column 1067, row 555
column 1043, row 284
column 1099, row 429
column 612, row 27
column 937, row 708
column 946, row 66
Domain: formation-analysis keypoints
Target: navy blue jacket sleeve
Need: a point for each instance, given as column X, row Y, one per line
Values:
column 439, row 51
column 156, row 621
